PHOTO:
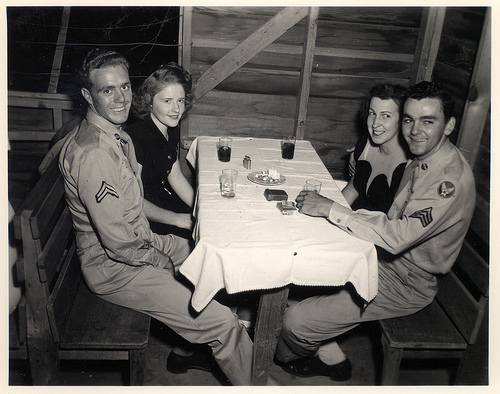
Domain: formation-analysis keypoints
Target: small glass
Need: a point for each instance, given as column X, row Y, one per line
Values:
column 313, row 185
column 288, row 147
column 228, row 183
column 224, row 149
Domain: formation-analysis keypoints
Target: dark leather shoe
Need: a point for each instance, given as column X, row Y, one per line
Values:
column 313, row 366
column 198, row 360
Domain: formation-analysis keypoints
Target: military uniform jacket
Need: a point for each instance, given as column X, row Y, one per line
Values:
column 104, row 194
column 430, row 216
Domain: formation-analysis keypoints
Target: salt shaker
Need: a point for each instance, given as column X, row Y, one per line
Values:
column 247, row 162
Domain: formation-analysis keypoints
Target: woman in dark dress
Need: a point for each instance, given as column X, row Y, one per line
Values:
column 381, row 155
column 159, row 104
column 379, row 162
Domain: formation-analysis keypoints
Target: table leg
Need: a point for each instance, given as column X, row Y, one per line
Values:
column 267, row 330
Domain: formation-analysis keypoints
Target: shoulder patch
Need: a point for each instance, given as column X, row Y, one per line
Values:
column 425, row 216
column 446, row 189
column 104, row 191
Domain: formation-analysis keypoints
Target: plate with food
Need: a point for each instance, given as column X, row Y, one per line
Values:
column 269, row 177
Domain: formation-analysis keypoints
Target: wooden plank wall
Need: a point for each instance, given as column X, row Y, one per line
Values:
column 457, row 51
column 355, row 49
column 462, row 33
column 33, row 119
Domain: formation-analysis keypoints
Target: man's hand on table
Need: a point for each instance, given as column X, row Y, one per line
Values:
column 312, row 204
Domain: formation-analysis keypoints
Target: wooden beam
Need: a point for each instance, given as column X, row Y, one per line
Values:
column 40, row 95
column 306, row 71
column 39, row 100
column 208, row 42
column 428, row 44
column 40, row 136
column 58, row 55
column 247, row 49
column 185, row 37
column 57, row 118
column 186, row 42
column 479, row 98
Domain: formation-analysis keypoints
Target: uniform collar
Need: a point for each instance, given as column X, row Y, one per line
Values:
column 106, row 126
column 437, row 157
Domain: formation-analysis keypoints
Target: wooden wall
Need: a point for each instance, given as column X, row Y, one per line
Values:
column 33, row 119
column 456, row 57
column 355, row 48
column 463, row 67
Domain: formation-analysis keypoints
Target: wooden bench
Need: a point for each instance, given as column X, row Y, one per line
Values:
column 17, row 332
column 65, row 321
column 448, row 327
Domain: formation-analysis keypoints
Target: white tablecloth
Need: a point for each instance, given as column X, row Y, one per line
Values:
column 244, row 243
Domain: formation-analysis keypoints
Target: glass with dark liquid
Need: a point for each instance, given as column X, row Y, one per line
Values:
column 224, row 149
column 288, row 147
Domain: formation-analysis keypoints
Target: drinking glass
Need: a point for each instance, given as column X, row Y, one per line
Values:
column 224, row 149
column 313, row 185
column 228, row 183
column 287, row 147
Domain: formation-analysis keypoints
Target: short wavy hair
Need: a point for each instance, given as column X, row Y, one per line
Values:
column 384, row 91
column 165, row 75
column 98, row 58
column 427, row 89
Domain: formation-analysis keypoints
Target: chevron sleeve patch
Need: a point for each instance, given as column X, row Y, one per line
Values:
column 425, row 216
column 104, row 191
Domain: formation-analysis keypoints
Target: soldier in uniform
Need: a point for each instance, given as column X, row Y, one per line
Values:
column 419, row 238
column 122, row 260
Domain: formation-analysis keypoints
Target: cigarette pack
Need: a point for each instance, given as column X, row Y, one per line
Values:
column 275, row 195
column 286, row 207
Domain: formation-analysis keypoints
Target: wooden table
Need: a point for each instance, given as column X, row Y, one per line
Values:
column 244, row 243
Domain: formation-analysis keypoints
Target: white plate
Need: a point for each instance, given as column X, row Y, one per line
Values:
column 257, row 177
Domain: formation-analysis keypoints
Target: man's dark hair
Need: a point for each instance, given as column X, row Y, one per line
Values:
column 427, row 89
column 98, row 58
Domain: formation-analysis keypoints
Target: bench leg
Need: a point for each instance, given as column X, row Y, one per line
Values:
column 392, row 362
column 43, row 353
column 473, row 367
column 137, row 360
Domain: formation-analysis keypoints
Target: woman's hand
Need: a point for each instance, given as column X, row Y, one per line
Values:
column 184, row 220
column 313, row 204
column 352, row 162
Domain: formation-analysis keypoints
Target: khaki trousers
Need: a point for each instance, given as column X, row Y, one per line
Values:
column 159, row 294
column 403, row 289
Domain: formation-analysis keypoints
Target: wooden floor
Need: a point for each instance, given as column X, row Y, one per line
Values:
column 361, row 346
